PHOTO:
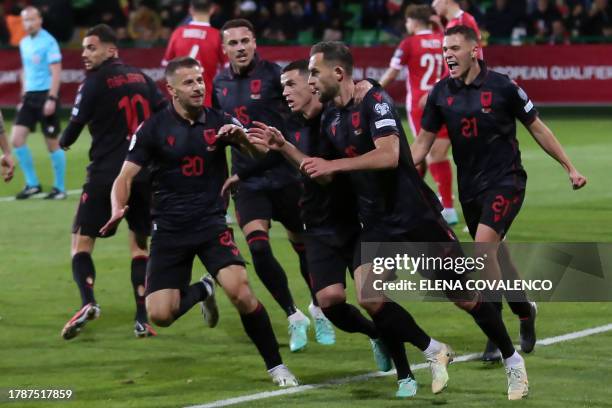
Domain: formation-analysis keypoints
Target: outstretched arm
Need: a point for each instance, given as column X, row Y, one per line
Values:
column 388, row 77
column 120, row 195
column 236, row 135
column 272, row 138
column 384, row 156
column 421, row 146
column 549, row 143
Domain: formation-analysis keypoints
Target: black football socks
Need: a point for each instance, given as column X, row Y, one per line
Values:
column 270, row 272
column 84, row 274
column 139, row 271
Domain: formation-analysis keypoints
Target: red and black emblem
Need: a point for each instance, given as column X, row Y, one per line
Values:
column 486, row 99
column 298, row 136
column 449, row 100
column 210, row 136
column 224, row 91
column 171, row 139
column 255, row 88
column 355, row 119
column 351, row 151
column 377, row 96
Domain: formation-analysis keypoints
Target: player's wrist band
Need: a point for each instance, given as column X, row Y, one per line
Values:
column 52, row 98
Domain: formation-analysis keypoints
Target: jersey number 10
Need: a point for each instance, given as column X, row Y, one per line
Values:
column 131, row 111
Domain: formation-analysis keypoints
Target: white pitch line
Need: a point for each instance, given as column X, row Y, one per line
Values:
column 363, row 377
column 41, row 195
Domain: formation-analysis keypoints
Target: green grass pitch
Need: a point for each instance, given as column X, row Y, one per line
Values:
column 189, row 364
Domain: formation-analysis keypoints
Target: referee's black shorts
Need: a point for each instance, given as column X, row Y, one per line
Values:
column 31, row 112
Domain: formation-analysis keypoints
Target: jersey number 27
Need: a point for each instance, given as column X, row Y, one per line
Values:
column 433, row 65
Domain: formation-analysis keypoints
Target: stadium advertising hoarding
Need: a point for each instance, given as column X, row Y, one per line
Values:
column 551, row 75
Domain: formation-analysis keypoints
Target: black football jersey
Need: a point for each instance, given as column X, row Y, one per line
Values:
column 255, row 96
column 113, row 100
column 481, row 121
column 324, row 208
column 395, row 199
column 188, row 168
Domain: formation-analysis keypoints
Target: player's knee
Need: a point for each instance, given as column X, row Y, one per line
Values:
column 329, row 296
column 242, row 297
column 160, row 317
column 259, row 242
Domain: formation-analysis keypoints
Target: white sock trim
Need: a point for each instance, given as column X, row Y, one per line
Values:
column 514, row 360
column 434, row 348
column 298, row 315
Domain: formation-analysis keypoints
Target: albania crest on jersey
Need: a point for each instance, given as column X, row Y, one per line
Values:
column 171, row 139
column 255, row 88
column 486, row 99
column 356, row 121
column 210, row 137
column 298, row 136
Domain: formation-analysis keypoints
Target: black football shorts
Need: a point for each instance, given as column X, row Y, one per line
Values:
column 329, row 256
column 94, row 209
column 172, row 254
column 496, row 208
column 281, row 205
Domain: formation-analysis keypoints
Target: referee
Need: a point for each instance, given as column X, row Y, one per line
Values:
column 40, row 80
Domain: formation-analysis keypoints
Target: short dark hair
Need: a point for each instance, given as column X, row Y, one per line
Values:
column 300, row 65
column 104, row 33
column 236, row 23
column 335, row 51
column 178, row 63
column 420, row 12
column 202, row 6
column 467, row 32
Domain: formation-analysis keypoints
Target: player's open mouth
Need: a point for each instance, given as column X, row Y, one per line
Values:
column 290, row 103
column 452, row 66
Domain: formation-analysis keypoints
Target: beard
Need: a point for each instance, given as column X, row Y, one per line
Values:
column 327, row 94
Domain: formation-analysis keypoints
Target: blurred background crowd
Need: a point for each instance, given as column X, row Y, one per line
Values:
column 150, row 22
